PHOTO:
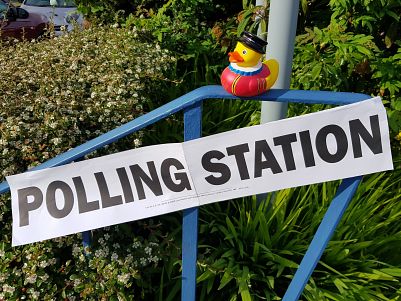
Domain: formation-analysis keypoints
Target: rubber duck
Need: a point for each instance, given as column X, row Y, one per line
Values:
column 247, row 75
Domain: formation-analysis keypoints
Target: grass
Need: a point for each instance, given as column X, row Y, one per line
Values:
column 255, row 247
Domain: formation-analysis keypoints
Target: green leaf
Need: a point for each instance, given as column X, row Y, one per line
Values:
column 376, row 275
column 174, row 292
column 206, row 275
column 244, row 291
column 246, row 16
column 285, row 262
column 97, row 8
column 391, row 34
column 393, row 15
column 245, row 295
column 231, row 227
column 270, row 281
column 225, row 279
column 316, row 71
column 341, row 286
column 304, row 6
column 364, row 50
column 230, row 253
column 396, row 272
column 397, row 105
column 210, row 283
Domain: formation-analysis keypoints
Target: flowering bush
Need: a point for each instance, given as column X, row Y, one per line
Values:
column 59, row 93
column 54, row 95
column 119, row 266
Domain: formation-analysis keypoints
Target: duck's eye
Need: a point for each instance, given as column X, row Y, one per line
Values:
column 244, row 51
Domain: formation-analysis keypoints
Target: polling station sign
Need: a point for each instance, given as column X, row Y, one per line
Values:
column 338, row 143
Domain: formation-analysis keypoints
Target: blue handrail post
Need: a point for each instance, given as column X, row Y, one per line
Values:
column 192, row 130
column 86, row 241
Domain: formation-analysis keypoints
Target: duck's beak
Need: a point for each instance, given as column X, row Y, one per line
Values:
column 235, row 57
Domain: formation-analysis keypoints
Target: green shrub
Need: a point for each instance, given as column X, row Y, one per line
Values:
column 107, row 10
column 352, row 46
column 185, row 27
column 193, row 30
column 59, row 93
column 250, row 249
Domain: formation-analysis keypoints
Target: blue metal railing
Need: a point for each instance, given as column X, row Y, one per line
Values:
column 191, row 104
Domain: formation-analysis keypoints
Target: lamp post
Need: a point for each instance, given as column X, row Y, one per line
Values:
column 282, row 27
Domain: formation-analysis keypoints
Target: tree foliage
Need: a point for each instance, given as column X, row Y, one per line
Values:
column 351, row 45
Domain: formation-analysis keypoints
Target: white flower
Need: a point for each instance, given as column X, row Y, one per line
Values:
column 155, row 259
column 56, row 141
column 148, row 251
column 114, row 256
column 52, row 261
column 76, row 250
column 31, row 278
column 143, row 261
column 35, row 294
column 99, row 253
column 136, row 244
column 77, row 282
column 123, row 278
column 8, row 289
column 17, row 272
column 43, row 264
column 129, row 258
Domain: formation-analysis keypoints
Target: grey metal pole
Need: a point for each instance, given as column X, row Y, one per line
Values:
column 281, row 30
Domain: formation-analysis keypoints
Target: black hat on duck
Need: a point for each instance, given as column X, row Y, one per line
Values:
column 253, row 42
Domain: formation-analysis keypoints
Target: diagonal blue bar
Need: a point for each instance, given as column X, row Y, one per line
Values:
column 192, row 130
column 322, row 237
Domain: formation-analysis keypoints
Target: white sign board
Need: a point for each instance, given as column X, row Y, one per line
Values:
column 334, row 144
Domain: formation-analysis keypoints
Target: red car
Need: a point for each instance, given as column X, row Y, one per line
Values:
column 16, row 22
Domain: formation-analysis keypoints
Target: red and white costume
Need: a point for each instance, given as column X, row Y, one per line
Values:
column 245, row 81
